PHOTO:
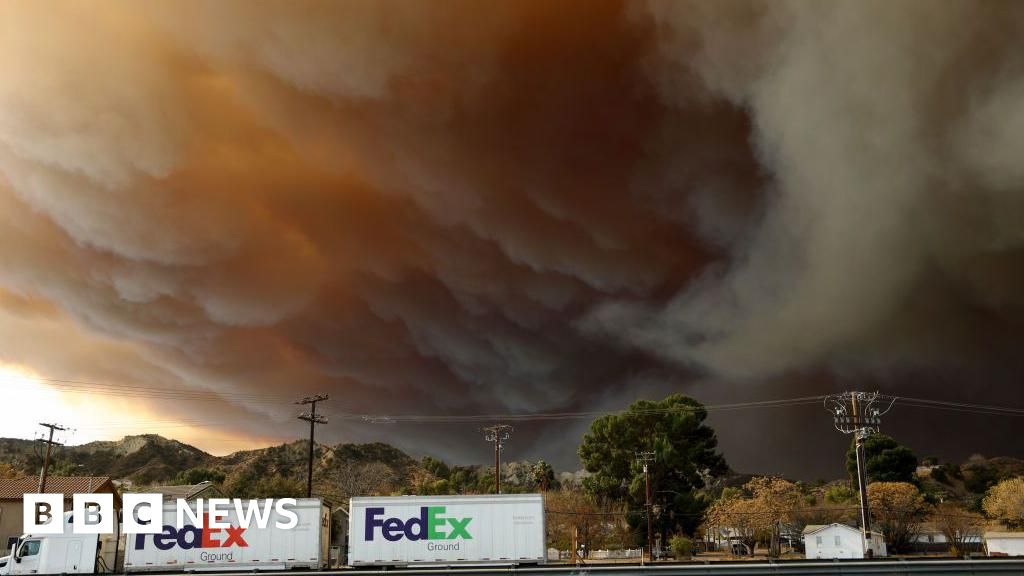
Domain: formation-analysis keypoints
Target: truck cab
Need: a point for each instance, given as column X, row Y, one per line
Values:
column 66, row 553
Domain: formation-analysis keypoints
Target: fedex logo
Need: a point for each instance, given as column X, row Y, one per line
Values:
column 190, row 537
column 431, row 524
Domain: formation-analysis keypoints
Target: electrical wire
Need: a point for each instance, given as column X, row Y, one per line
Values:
column 549, row 416
column 274, row 399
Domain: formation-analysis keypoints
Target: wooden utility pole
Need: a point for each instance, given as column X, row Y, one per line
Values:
column 313, row 418
column 860, row 414
column 46, row 459
column 497, row 434
column 865, row 514
column 644, row 458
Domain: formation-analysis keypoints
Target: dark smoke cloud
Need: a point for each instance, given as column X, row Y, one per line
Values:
column 453, row 208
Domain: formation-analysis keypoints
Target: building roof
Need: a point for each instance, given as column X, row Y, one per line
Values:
column 812, row 528
column 68, row 485
column 185, row 491
column 1004, row 535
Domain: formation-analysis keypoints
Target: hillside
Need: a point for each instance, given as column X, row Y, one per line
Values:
column 151, row 459
column 340, row 471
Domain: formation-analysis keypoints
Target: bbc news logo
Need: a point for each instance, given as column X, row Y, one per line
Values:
column 202, row 526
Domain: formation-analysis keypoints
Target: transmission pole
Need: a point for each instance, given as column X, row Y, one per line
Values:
column 313, row 418
column 497, row 434
column 644, row 458
column 46, row 459
column 856, row 413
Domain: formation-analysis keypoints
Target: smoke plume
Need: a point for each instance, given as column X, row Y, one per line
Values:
column 465, row 208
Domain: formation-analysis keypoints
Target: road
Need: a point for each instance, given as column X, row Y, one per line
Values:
column 947, row 567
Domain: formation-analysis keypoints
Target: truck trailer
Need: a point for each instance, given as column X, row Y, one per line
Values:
column 504, row 529
column 192, row 548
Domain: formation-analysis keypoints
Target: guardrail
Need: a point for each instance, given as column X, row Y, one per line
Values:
column 948, row 567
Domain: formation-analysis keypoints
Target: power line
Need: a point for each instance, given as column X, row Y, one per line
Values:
column 829, row 510
column 545, row 416
column 957, row 406
column 131, row 390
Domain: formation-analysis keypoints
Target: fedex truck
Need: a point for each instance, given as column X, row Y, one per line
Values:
column 258, row 547
column 195, row 547
column 446, row 530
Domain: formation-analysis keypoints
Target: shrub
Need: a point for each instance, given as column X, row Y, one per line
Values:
column 682, row 547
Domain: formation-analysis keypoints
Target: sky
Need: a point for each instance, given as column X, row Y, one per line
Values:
column 447, row 209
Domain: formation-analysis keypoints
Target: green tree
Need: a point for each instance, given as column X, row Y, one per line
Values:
column 685, row 454
column 251, row 485
column 682, row 547
column 436, row 467
column 885, row 460
column 839, row 494
column 543, row 476
column 197, row 475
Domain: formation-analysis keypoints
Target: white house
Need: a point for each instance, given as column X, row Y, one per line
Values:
column 1004, row 543
column 828, row 541
column 930, row 539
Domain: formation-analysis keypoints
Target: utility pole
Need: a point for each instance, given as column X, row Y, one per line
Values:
column 46, row 459
column 644, row 458
column 856, row 413
column 497, row 434
column 313, row 418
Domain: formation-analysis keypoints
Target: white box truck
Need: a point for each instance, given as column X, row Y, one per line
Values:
column 200, row 548
column 445, row 530
column 191, row 548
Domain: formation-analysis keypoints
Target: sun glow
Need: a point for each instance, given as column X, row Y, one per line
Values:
column 27, row 400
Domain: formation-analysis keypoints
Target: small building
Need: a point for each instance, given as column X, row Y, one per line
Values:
column 189, row 492
column 1004, row 543
column 831, row 541
column 12, row 493
column 729, row 540
column 931, row 540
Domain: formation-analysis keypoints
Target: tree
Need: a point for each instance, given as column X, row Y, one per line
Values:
column 959, row 526
column 436, row 467
column 682, row 547
column 252, row 485
column 777, row 500
column 897, row 509
column 734, row 513
column 595, row 522
column 885, row 460
column 197, row 475
column 684, row 446
column 543, row 476
column 1005, row 502
column 761, row 510
column 356, row 479
column 9, row 472
column 839, row 494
